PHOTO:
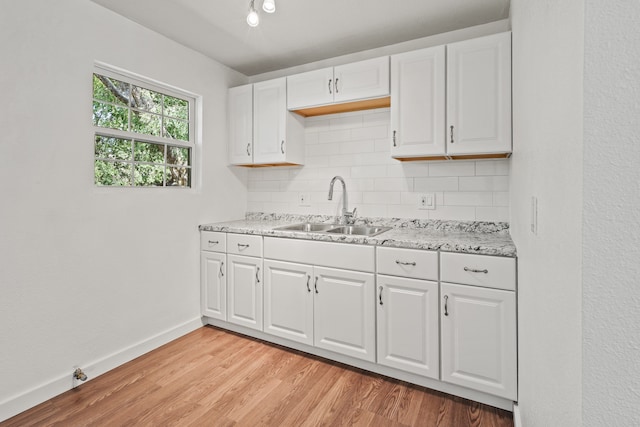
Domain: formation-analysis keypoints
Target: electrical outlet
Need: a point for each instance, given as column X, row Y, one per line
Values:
column 427, row 201
column 304, row 199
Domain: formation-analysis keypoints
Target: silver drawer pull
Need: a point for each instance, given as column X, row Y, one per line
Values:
column 240, row 246
column 257, row 273
column 473, row 270
column 308, row 288
column 380, row 294
column 213, row 242
column 405, row 263
column 221, row 267
column 446, row 305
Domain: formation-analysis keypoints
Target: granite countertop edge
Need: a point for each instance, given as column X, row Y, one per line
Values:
column 471, row 237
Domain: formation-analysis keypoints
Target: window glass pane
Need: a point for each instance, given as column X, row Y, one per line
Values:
column 177, row 156
column 178, row 176
column 112, row 148
column 146, row 123
column 111, row 90
column 112, row 173
column 149, row 175
column 146, row 99
column 110, row 116
column 176, row 129
column 147, row 152
column 174, row 107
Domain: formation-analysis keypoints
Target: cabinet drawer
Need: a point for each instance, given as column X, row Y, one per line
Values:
column 244, row 244
column 214, row 241
column 412, row 263
column 478, row 270
column 327, row 254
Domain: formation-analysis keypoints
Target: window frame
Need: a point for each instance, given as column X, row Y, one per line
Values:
column 146, row 83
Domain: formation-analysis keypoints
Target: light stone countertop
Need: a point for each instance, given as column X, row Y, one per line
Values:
column 472, row 237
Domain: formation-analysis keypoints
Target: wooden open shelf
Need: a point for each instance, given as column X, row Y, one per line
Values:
column 367, row 104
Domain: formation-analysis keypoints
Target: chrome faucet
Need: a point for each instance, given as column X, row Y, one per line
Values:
column 346, row 216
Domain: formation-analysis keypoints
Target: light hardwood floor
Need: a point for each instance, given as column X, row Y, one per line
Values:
column 212, row 377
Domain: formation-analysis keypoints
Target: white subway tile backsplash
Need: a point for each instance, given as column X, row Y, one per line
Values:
column 492, row 214
column 455, row 168
column 449, row 183
column 484, row 183
column 356, row 146
column 381, row 198
column 492, row 167
column 468, row 198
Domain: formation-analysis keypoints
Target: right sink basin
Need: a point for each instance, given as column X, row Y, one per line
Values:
column 358, row 230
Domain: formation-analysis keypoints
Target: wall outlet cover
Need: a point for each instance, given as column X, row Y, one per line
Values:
column 427, row 201
column 304, row 199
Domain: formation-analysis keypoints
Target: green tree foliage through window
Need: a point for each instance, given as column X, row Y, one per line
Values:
column 122, row 158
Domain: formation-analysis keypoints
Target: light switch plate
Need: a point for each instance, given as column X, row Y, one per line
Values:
column 427, row 201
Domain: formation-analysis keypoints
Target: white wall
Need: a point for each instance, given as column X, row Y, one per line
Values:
column 611, row 246
column 90, row 276
column 356, row 146
column 547, row 164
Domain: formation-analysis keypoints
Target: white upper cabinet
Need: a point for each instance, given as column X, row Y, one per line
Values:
column 240, row 110
column 268, row 134
column 418, row 103
column 479, row 95
column 350, row 82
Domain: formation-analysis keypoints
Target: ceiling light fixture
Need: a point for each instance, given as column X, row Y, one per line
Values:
column 269, row 6
column 252, row 18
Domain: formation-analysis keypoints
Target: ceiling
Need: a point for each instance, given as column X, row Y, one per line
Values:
column 301, row 31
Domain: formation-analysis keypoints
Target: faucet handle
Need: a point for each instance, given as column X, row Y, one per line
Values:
column 351, row 216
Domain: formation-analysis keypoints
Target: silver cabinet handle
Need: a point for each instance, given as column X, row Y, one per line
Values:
column 394, row 139
column 308, row 288
column 330, row 80
column 336, row 85
column 473, row 270
column 446, row 303
column 221, row 267
column 315, row 284
column 282, row 146
column 380, row 295
column 213, row 242
column 405, row 263
column 248, row 149
column 257, row 273
column 452, row 134
column 242, row 246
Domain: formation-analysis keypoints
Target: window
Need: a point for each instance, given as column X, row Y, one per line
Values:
column 144, row 133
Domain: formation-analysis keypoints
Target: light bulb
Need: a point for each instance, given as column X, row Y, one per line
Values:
column 252, row 18
column 269, row 6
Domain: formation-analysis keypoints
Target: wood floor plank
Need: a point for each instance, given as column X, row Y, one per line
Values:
column 213, row 377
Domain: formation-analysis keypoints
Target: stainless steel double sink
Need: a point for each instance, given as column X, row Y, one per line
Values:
column 352, row 230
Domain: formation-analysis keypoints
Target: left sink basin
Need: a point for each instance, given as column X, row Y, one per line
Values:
column 306, row 226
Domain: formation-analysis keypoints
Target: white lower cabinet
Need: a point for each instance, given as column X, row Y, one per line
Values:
column 288, row 300
column 479, row 344
column 344, row 314
column 213, row 298
column 407, row 311
column 244, row 291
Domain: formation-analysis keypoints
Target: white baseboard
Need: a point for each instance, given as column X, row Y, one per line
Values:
column 25, row 400
column 517, row 421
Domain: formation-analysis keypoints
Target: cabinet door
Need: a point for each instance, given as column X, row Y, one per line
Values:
column 244, row 293
column 240, row 110
column 310, row 88
column 479, row 95
column 479, row 339
column 344, row 312
column 213, row 285
column 288, row 300
column 418, row 103
column 408, row 325
column 361, row 80
column 269, row 121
